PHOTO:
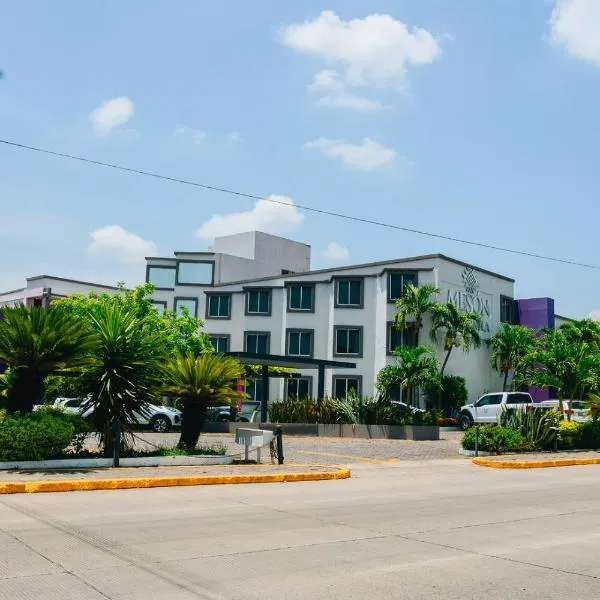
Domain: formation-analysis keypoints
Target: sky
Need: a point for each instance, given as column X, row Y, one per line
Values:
column 476, row 120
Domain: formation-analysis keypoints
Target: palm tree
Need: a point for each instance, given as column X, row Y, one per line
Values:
column 414, row 368
column 414, row 302
column 461, row 329
column 510, row 345
column 201, row 381
column 36, row 342
column 572, row 368
column 585, row 330
column 126, row 370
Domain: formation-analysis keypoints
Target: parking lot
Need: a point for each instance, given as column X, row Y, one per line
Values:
column 328, row 450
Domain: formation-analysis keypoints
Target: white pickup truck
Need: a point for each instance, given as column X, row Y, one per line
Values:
column 488, row 407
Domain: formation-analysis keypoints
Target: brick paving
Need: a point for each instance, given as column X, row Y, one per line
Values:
column 338, row 451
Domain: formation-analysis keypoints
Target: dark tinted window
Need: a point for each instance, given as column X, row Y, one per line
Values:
column 518, row 399
column 349, row 292
column 301, row 297
column 218, row 305
column 259, row 302
column 398, row 282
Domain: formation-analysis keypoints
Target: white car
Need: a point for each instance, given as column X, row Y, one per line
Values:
column 159, row 418
column 488, row 407
column 579, row 413
column 408, row 407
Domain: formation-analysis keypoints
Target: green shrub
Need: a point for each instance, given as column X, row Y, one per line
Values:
column 453, row 394
column 495, row 438
column 590, row 435
column 569, row 435
column 38, row 436
column 539, row 427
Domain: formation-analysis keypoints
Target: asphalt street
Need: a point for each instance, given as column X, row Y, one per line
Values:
column 434, row 529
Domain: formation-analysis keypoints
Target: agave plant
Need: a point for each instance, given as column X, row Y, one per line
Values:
column 539, row 427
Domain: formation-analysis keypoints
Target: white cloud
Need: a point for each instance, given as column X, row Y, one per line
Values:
column 122, row 244
column 574, row 24
column 326, row 80
column 350, row 101
column 595, row 314
column 366, row 156
column 196, row 135
column 276, row 214
column 111, row 115
column 336, row 253
column 373, row 51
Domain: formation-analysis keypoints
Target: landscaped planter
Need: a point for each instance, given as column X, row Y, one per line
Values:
column 91, row 463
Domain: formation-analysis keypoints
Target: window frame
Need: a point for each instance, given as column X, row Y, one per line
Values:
column 210, row 295
column 248, row 291
column 334, row 378
column 225, row 336
column 192, row 298
column 290, row 286
column 162, row 303
column 338, row 280
column 511, row 321
column 308, row 378
column 388, row 338
column 164, row 267
column 402, row 272
column 186, row 261
column 254, row 332
column 290, row 331
column 360, row 330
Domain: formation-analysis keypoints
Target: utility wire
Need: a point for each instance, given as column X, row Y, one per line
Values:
column 321, row 211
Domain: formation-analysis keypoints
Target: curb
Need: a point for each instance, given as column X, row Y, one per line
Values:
column 80, row 485
column 535, row 464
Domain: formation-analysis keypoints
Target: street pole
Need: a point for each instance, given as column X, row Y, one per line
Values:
column 117, row 443
column 476, row 433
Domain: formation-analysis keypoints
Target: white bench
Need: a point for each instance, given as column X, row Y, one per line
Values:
column 253, row 439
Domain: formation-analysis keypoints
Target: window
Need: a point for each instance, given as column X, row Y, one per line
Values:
column 507, row 310
column 220, row 343
column 398, row 282
column 518, row 399
column 159, row 306
column 348, row 341
column 257, row 342
column 258, row 302
column 254, row 389
column 218, row 306
column 299, row 387
column 191, row 304
column 343, row 386
column 301, row 297
column 349, row 293
column 401, row 337
column 161, row 277
column 490, row 399
column 299, row 342
column 194, row 273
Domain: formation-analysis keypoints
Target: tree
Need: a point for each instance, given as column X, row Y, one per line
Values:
column 125, row 373
column 177, row 333
column 570, row 367
column 510, row 346
column 37, row 342
column 585, row 330
column 201, row 381
column 460, row 329
column 415, row 367
column 414, row 302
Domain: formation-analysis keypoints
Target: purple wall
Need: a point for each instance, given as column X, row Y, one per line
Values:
column 536, row 313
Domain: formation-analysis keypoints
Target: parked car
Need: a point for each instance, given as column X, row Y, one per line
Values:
column 579, row 412
column 218, row 413
column 159, row 418
column 408, row 407
column 249, row 412
column 488, row 407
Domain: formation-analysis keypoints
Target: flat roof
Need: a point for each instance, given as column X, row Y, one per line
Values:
column 100, row 285
column 290, row 362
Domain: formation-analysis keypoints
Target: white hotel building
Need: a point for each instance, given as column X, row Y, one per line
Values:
column 256, row 293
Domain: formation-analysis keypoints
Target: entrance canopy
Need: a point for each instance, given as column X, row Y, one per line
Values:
column 288, row 362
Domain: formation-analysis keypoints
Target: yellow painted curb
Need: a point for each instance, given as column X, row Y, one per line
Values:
column 535, row 464
column 80, row 485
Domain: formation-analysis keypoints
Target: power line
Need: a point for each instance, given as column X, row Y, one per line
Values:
column 301, row 206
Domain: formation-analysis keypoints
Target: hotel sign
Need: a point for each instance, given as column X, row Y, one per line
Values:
column 471, row 299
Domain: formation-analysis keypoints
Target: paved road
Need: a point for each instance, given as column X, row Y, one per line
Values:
column 437, row 529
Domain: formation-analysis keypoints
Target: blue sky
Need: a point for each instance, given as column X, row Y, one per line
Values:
column 473, row 119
